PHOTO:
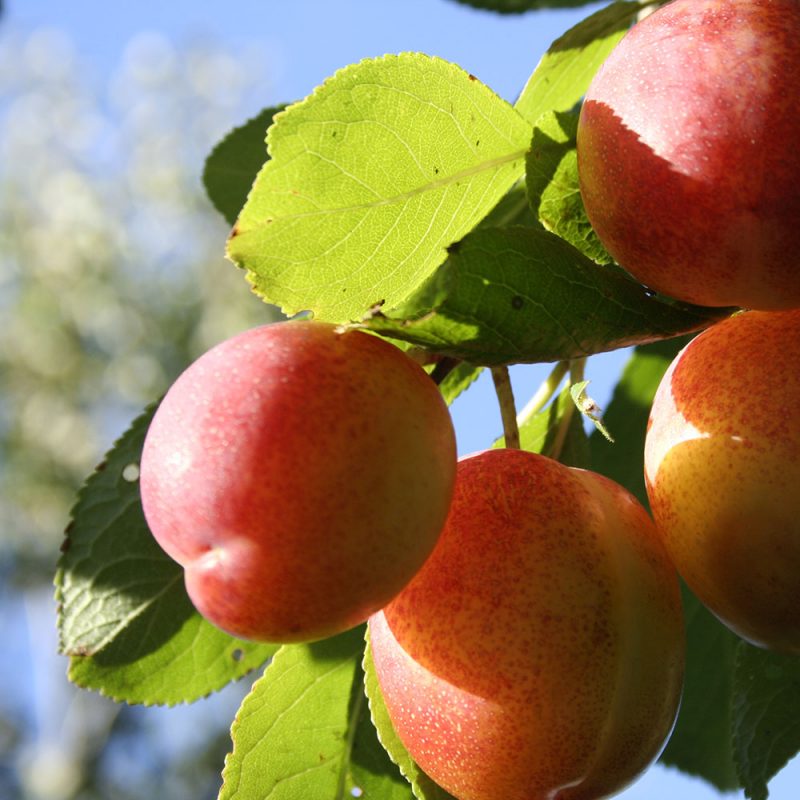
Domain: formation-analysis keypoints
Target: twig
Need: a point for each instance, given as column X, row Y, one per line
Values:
column 508, row 409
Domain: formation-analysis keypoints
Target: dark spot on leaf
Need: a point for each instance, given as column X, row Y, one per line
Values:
column 477, row 144
column 237, row 654
column 65, row 544
column 517, row 302
column 472, row 77
column 101, row 466
column 234, row 230
column 454, row 248
column 334, row 134
column 436, row 170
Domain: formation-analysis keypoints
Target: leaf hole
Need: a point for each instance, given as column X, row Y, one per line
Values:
column 356, row 791
column 237, row 654
column 131, row 473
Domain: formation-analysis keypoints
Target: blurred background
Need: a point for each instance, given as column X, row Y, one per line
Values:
column 112, row 280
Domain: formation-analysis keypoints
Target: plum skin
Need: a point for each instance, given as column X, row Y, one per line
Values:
column 687, row 152
column 722, row 469
column 301, row 475
column 539, row 652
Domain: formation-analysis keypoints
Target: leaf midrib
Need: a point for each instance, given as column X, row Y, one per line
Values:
column 434, row 185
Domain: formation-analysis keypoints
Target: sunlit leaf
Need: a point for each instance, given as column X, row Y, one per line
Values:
column 124, row 617
column 524, row 295
column 563, row 75
column 370, row 179
column 304, row 730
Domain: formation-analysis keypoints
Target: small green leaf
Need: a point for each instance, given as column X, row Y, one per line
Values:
column 766, row 716
column 233, row 164
column 371, row 178
column 553, row 186
column 423, row 787
column 304, row 732
column 458, row 380
column 588, row 407
column 519, row 294
column 124, row 618
column 563, row 75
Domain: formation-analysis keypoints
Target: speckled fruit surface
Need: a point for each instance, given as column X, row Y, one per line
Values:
column 688, row 152
column 539, row 652
column 301, row 476
column 722, row 467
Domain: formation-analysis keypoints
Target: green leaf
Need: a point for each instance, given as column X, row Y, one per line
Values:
column 701, row 741
column 304, row 732
column 371, row 178
column 125, row 620
column 423, row 787
column 563, row 75
column 233, row 164
column 766, row 716
column 553, row 187
column 517, row 295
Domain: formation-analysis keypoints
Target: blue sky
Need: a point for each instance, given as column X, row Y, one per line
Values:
column 303, row 42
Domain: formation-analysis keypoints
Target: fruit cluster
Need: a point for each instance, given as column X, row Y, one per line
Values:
column 306, row 479
column 524, row 617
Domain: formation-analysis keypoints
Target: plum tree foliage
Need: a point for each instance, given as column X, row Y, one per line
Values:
column 404, row 199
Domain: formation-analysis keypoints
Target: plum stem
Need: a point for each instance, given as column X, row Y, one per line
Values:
column 508, row 408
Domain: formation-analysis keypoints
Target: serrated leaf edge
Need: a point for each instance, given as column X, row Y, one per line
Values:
column 77, row 508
